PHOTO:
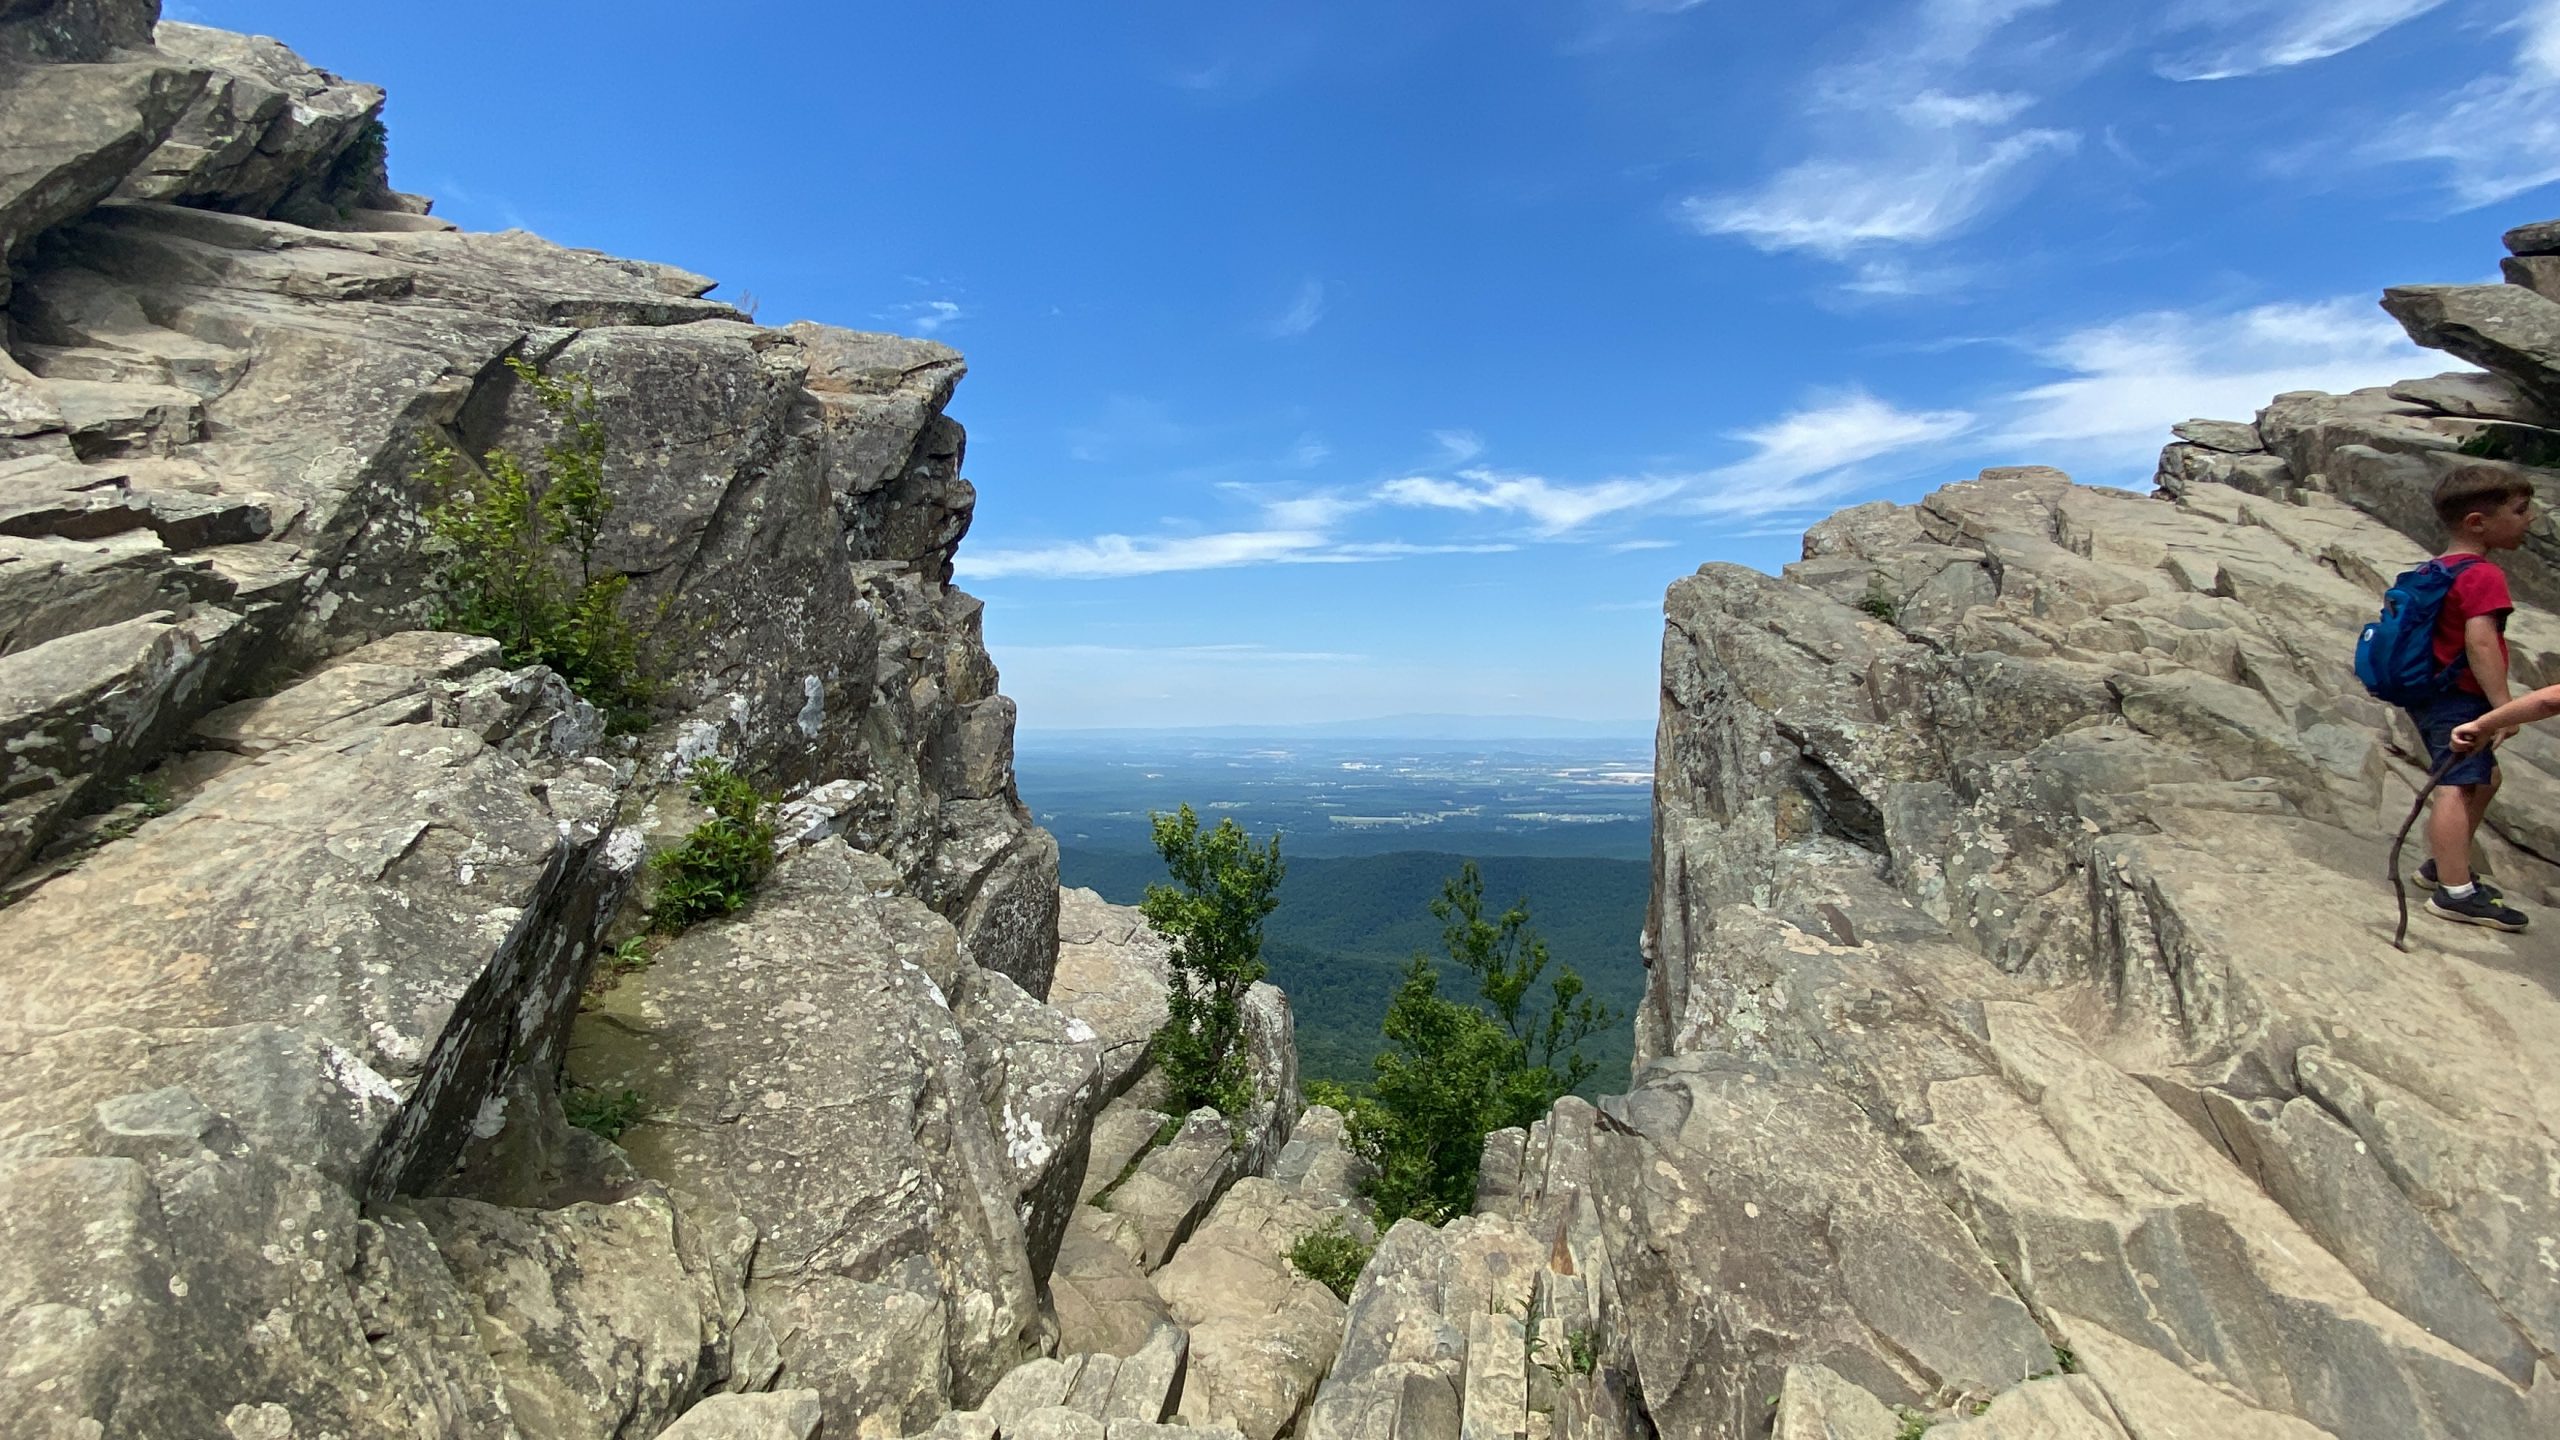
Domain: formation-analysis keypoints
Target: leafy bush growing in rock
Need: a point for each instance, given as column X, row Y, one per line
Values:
column 518, row 562
column 1213, row 913
column 604, row 1113
column 1455, row 1072
column 1331, row 1256
column 720, row 864
column 2520, row 444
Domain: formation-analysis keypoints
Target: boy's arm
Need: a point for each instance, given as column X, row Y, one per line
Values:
column 2542, row 704
column 2488, row 657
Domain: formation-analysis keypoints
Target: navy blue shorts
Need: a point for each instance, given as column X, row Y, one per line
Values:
column 2436, row 720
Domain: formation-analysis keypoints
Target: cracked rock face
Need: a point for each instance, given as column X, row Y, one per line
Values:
column 300, row 898
column 2022, row 995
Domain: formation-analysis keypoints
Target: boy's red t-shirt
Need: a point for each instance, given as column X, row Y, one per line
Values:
column 2480, row 589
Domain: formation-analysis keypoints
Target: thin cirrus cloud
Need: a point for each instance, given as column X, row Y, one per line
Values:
column 1818, row 452
column 1305, row 312
column 1111, row 557
column 2123, row 381
column 1906, row 148
column 2257, row 36
column 1550, row 508
column 2499, row 135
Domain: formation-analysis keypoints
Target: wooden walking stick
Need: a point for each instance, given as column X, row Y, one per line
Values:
column 2399, row 887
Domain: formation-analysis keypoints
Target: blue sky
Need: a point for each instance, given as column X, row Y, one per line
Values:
column 1332, row 360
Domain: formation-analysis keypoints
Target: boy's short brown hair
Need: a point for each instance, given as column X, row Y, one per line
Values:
column 2467, row 490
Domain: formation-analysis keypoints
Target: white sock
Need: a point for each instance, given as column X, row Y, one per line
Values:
column 2463, row 891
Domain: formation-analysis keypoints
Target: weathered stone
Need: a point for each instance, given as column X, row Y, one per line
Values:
column 1496, row 1405
column 2473, row 395
column 72, row 132
column 1262, row 1335
column 778, row 1415
column 2507, row 330
column 2237, row 437
column 266, row 137
column 1056, row 1423
column 1111, row 974
column 1150, row 1380
column 862, row 1150
column 2537, row 273
column 587, row 1311
column 2542, row 237
column 1036, row 1067
column 79, row 711
column 1814, row 1403
column 1035, row 1384
column 1104, row 1301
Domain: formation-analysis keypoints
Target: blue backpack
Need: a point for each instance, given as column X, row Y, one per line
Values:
column 2395, row 656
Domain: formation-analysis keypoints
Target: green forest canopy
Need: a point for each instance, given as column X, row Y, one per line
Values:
column 1346, row 926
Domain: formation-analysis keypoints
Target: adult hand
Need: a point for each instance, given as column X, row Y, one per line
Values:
column 2468, row 736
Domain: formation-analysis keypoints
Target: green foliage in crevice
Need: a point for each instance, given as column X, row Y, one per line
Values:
column 722, row 861
column 516, row 541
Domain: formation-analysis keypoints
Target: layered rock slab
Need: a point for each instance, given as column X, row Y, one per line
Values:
column 806, row 1072
column 1861, row 825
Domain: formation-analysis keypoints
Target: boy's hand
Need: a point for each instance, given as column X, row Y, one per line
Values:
column 2468, row 736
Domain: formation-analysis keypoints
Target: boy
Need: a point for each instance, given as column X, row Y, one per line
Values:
column 2483, row 509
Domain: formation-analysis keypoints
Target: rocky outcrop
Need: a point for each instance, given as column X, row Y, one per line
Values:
column 303, row 899
column 2024, row 1050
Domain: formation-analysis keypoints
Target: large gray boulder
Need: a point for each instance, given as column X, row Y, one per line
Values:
column 893, row 1263
column 213, row 1064
column 2508, row 330
column 1967, row 889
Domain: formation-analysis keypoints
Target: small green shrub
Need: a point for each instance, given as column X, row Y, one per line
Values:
column 1914, row 1425
column 2065, row 1360
column 628, row 958
column 1880, row 601
column 2519, row 444
column 1331, row 1256
column 604, row 1113
column 518, row 554
column 1583, row 1350
column 1222, row 890
column 720, row 864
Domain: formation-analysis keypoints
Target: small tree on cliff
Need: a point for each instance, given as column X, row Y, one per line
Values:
column 1222, row 888
column 1457, row 1072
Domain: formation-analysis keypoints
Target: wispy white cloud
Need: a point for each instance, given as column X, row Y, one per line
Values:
column 1191, row 654
column 1320, row 511
column 1833, row 207
column 1907, row 148
column 1459, row 446
column 1627, row 546
column 1108, row 557
column 1309, row 452
column 2498, row 136
column 2256, row 36
column 2126, row 381
column 1551, row 509
column 926, row 317
column 1818, row 452
column 1306, row 310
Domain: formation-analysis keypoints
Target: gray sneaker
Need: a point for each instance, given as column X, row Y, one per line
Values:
column 2427, row 877
column 2476, row 908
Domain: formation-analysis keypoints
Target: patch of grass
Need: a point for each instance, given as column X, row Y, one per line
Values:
column 1582, row 1350
column 1331, row 1256
column 720, row 864
column 1880, row 601
column 2065, row 1360
column 603, row 1112
column 517, row 545
column 1914, row 1425
column 628, row 958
